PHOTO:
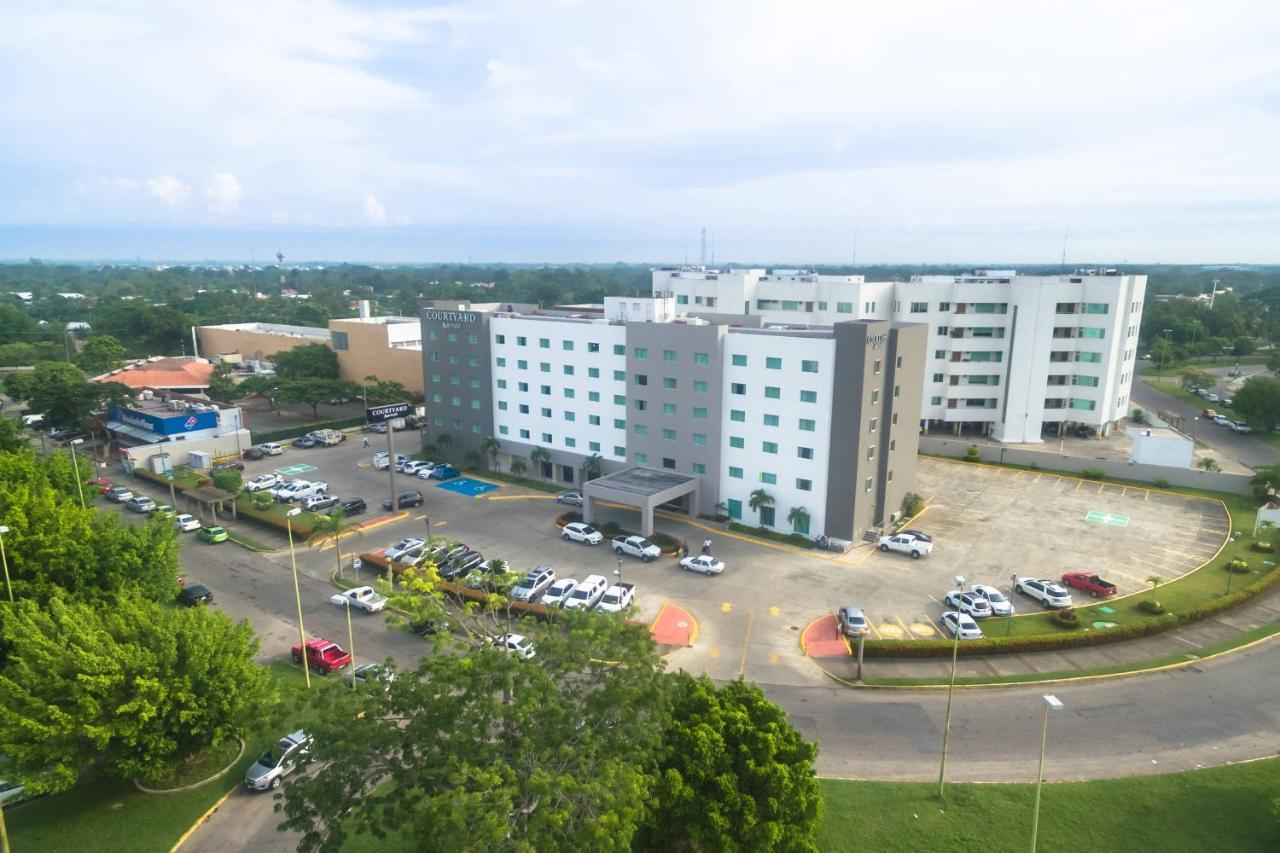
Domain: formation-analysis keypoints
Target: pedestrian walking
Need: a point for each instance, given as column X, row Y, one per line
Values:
column 706, row 546
column 366, row 439
column 684, row 548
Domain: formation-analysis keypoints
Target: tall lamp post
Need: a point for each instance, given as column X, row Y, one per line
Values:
column 297, row 594
column 1164, row 355
column 946, row 725
column 1051, row 703
column 75, row 463
column 4, row 530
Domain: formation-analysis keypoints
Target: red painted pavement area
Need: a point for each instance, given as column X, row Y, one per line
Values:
column 674, row 626
column 822, row 639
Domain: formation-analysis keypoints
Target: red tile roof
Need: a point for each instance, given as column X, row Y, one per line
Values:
column 171, row 372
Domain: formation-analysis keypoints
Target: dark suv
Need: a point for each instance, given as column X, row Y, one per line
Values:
column 405, row 500
column 195, row 593
column 353, row 506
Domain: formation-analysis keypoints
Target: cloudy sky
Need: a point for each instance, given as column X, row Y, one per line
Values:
column 600, row 131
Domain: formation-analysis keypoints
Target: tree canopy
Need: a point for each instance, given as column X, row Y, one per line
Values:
column 309, row 361
column 1258, row 402
column 100, row 354
column 62, row 393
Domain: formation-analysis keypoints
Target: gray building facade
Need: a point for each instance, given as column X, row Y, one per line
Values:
column 457, row 371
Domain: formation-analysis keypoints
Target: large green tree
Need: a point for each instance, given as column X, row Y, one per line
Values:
column 221, row 386
column 478, row 749
column 382, row 391
column 121, row 690
column 734, row 774
column 100, row 354
column 61, row 393
column 310, row 361
column 313, row 392
column 1258, row 402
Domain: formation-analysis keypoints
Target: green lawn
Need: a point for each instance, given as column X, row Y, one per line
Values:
column 115, row 816
column 1225, row 808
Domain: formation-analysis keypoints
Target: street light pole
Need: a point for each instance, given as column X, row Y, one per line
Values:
column 5, row 560
column 1051, row 703
column 351, row 646
column 297, row 594
column 75, row 463
column 946, row 725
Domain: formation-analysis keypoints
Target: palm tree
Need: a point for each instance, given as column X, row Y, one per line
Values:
column 759, row 498
column 471, row 459
column 591, row 467
column 1208, row 463
column 798, row 517
column 518, row 467
column 334, row 525
column 443, row 443
column 1155, row 581
column 540, row 456
column 490, row 447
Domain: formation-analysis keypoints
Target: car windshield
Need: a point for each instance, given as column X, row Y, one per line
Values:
column 581, row 593
column 588, row 529
column 995, row 595
column 271, row 757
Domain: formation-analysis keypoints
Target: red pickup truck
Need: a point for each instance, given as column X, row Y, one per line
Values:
column 322, row 655
column 1091, row 584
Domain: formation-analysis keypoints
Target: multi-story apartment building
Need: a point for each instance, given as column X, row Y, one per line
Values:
column 823, row 420
column 1012, row 356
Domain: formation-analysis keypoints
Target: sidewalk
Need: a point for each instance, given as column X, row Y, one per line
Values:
column 1182, row 641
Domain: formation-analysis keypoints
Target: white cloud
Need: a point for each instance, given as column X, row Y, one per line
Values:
column 224, row 193
column 375, row 213
column 169, row 190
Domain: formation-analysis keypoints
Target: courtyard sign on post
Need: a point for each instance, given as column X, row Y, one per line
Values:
column 377, row 414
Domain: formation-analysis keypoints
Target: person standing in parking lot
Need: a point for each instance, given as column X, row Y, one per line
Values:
column 706, row 546
column 365, row 437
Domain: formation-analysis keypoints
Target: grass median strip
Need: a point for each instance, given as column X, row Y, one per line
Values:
column 1188, row 657
column 1221, row 808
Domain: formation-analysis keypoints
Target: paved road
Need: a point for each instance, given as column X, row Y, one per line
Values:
column 1242, row 448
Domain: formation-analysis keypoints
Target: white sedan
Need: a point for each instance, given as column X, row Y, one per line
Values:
column 363, row 597
column 262, row 481
column 584, row 533
column 186, row 523
column 1000, row 605
column 516, row 644
column 706, row 564
column 961, row 625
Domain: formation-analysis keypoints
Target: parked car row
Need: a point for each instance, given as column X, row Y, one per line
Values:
column 420, row 468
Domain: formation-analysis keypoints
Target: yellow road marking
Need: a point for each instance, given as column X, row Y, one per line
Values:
column 1124, row 491
column 726, row 607
column 773, row 611
column 714, row 651
column 516, row 497
column 872, row 626
column 773, row 657
column 931, row 622
column 1101, row 486
column 364, row 464
column 1147, row 496
column 742, row 662
column 440, row 524
column 419, row 517
column 905, row 629
column 889, row 631
column 1079, row 483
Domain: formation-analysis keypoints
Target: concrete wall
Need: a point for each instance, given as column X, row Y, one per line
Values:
column 368, row 353
column 1213, row 480
column 250, row 345
column 220, row 446
column 1153, row 446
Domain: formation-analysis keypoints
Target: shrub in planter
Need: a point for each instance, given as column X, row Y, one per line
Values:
column 1150, row 605
column 973, row 454
column 568, row 518
column 1066, row 618
column 262, row 501
column 1264, row 547
column 610, row 528
column 1160, row 483
column 1093, row 473
column 1239, row 567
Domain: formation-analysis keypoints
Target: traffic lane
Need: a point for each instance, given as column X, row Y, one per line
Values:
column 1218, row 712
column 247, row 820
column 1242, row 448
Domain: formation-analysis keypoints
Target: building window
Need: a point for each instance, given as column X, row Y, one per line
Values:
column 766, row 516
column 570, row 442
column 739, row 361
column 524, row 433
column 668, row 462
column 522, row 365
column 737, row 441
column 593, row 396
column 735, row 509
column 502, row 362
column 475, row 404
column 769, row 446
column 876, row 367
column 738, row 388
column 641, row 429
column 669, row 435
column 451, row 337
column 620, row 376
column 339, row 340
column 682, row 299
column 669, row 382
column 1093, row 334
column 570, row 416
column 768, row 479
column 642, row 379
column 594, row 445
column 699, row 413
column 701, row 358
column 869, row 483
column 619, row 349
column 699, row 439
column 437, row 421
column 455, row 401
column 771, row 420
column 474, row 383
column 773, row 392
column 875, row 396
column 700, row 385
column 844, row 307
column 593, row 373
column 544, row 343
column 545, row 390
column 502, row 430
column 544, row 367
column 801, row 524
column 619, row 423
column 807, row 366
column 472, row 339
column 807, row 425
column 594, row 420
column 435, row 356
column 804, row 486
column 808, row 396
column 772, row 363
column 939, row 377
column 546, row 438
column 502, row 405
column 668, row 408
column 737, row 415
column 641, row 353
column 642, row 405
column 935, row 401
column 546, row 413
column 455, row 381
column 437, row 397
column 567, row 345
column 698, row 468
column 502, row 383
column 919, row 307
column 569, row 393
column 619, row 451
column 804, row 452
column 871, row 453
column 669, row 355
column 521, row 340
column 523, row 386
column 641, row 458
column 568, row 370
column 593, row 347
column 735, row 473
column 898, row 362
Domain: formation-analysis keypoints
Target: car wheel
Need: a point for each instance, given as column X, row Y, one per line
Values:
column 297, row 659
column 645, row 558
column 884, row 547
column 564, row 536
column 915, row 555
column 275, row 783
column 1018, row 588
column 1094, row 593
column 323, row 670
column 617, row 551
column 683, row 566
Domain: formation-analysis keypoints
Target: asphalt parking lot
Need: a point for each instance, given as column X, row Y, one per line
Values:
column 988, row 524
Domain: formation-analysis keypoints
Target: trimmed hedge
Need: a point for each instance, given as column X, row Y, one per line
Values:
column 301, row 429
column 797, row 539
column 303, row 524
column 1053, row 642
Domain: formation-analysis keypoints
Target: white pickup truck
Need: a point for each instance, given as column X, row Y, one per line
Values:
column 297, row 490
column 906, row 543
column 263, row 481
column 636, row 546
column 618, row 597
column 362, row 597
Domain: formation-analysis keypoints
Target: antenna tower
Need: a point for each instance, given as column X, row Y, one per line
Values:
column 1065, row 233
column 280, row 263
column 702, row 248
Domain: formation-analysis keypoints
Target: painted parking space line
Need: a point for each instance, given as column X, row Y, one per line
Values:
column 872, row 626
column 746, row 642
column 726, row 607
column 905, row 629
column 773, row 611
column 921, row 630
column 516, row 497
column 714, row 651
column 889, row 631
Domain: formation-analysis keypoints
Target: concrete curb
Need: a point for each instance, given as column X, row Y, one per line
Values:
column 144, row 789
column 182, row 839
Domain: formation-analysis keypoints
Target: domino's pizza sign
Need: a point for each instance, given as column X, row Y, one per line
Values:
column 190, row 423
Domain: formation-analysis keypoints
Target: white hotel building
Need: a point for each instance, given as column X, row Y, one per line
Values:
column 1016, row 357
column 824, row 420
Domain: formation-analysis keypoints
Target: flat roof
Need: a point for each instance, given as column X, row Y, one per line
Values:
column 643, row 482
